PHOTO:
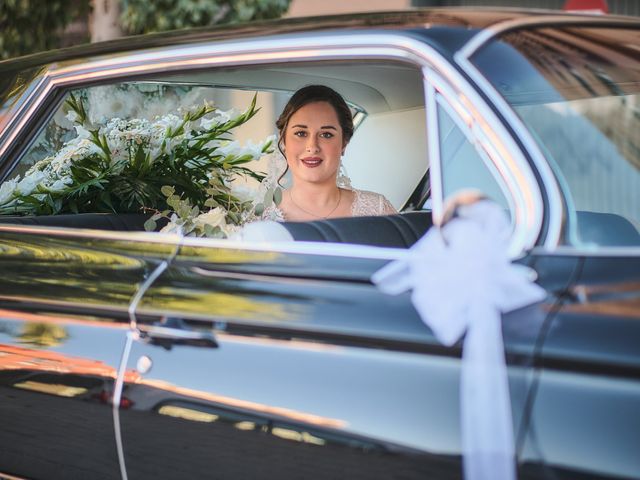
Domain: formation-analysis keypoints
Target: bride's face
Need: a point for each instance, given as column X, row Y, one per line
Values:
column 313, row 143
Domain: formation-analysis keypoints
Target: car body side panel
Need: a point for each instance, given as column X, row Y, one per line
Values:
column 265, row 408
column 56, row 381
column 329, row 373
column 63, row 325
column 585, row 414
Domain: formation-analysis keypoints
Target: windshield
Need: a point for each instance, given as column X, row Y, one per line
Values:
column 578, row 91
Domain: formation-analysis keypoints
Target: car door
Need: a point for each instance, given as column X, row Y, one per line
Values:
column 64, row 296
column 252, row 363
column 584, row 420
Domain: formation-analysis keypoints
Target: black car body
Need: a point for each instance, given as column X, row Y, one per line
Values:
column 146, row 355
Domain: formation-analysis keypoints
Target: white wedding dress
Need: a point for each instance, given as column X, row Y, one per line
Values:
column 364, row 204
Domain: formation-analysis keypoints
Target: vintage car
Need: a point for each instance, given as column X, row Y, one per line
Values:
column 138, row 354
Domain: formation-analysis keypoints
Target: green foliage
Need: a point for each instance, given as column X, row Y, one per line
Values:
column 29, row 26
column 143, row 16
column 173, row 165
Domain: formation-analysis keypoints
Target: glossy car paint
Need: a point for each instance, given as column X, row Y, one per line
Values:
column 302, row 368
column 586, row 391
column 326, row 372
column 63, row 322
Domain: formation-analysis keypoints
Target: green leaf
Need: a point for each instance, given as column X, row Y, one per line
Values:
column 173, row 201
column 150, row 224
column 167, row 190
column 183, row 210
column 268, row 198
column 209, row 230
column 277, row 196
column 105, row 197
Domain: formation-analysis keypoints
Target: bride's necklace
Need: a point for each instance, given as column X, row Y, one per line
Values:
column 315, row 214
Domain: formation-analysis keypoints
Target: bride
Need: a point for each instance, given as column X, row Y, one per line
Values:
column 314, row 129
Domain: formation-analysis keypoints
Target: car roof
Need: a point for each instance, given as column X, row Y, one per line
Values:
column 460, row 23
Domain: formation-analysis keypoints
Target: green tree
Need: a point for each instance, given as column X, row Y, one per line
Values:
column 28, row 26
column 143, row 16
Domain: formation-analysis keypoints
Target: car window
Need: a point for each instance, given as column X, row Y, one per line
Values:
column 463, row 167
column 578, row 92
column 387, row 154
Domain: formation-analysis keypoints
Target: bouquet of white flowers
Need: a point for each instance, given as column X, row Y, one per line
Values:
column 179, row 167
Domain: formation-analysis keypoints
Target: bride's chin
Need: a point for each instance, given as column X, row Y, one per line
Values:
column 316, row 179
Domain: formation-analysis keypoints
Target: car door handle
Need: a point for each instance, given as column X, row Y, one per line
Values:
column 172, row 331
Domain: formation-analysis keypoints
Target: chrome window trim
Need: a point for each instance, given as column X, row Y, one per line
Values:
column 115, row 405
column 584, row 251
column 294, row 247
column 433, row 151
column 557, row 210
column 221, row 54
column 331, row 46
column 499, row 146
column 522, row 199
column 479, row 141
column 15, row 112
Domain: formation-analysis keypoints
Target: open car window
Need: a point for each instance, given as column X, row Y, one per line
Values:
column 96, row 133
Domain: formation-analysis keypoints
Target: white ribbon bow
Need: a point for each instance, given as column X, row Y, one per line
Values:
column 462, row 280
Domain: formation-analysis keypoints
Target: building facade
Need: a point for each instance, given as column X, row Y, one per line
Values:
column 300, row 8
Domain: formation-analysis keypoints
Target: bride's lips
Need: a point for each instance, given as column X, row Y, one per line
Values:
column 311, row 162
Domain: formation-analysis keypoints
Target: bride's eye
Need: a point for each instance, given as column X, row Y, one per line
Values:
column 300, row 133
column 326, row 135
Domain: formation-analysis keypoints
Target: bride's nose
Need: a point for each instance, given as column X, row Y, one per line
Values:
column 312, row 145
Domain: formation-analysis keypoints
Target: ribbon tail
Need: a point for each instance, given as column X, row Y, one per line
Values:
column 487, row 426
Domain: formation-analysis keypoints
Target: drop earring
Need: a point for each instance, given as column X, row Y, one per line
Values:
column 343, row 180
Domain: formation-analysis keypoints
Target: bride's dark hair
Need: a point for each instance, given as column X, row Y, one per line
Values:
column 312, row 94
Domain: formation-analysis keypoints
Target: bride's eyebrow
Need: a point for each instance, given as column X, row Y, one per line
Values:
column 328, row 127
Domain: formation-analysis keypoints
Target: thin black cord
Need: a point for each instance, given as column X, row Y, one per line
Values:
column 537, row 359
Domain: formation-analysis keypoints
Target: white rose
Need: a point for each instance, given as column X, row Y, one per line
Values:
column 168, row 121
column 244, row 192
column 224, row 116
column 209, row 123
column 218, row 117
column 29, row 183
column 7, row 190
column 230, row 148
column 253, row 149
column 82, row 132
column 72, row 116
column 171, row 228
column 60, row 184
column 214, row 217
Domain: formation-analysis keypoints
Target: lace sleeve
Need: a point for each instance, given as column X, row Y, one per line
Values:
column 273, row 213
column 385, row 206
column 370, row 204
